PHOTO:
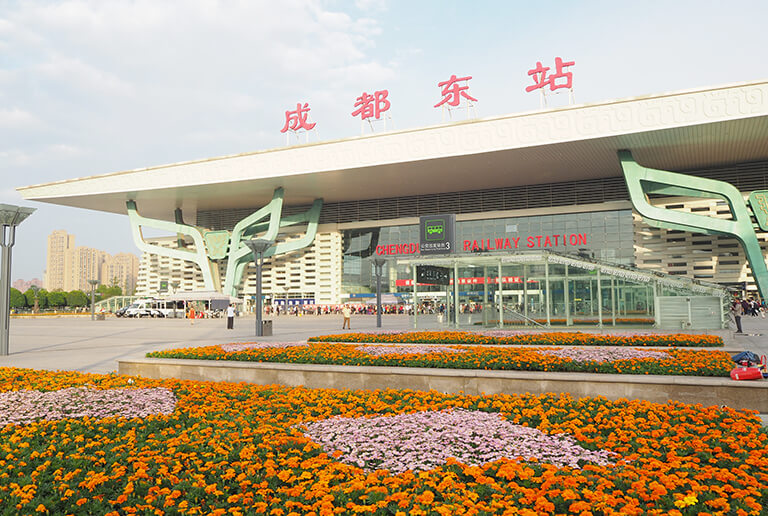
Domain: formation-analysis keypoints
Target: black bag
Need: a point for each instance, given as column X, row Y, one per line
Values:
column 746, row 358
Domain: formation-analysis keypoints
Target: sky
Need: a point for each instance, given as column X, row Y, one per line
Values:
column 93, row 87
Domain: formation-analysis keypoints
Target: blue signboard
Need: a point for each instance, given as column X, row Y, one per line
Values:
column 294, row 302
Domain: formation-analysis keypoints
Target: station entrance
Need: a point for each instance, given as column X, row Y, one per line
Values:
column 548, row 289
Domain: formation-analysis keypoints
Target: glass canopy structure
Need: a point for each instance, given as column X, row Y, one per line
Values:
column 546, row 289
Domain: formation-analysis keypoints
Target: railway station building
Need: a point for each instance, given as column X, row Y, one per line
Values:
column 545, row 202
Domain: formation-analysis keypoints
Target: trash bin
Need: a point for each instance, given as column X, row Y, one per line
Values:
column 266, row 328
column 100, row 317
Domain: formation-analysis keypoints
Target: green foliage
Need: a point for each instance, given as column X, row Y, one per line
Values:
column 57, row 299
column 108, row 291
column 77, row 298
column 17, row 299
column 42, row 298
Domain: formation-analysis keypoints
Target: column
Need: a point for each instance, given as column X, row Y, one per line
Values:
column 525, row 293
column 415, row 298
column 456, row 294
column 567, row 299
column 485, row 296
column 500, row 290
column 599, row 301
column 546, row 286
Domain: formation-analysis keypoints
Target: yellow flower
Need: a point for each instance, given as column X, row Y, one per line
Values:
column 686, row 501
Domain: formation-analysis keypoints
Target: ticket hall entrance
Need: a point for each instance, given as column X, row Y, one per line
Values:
column 544, row 289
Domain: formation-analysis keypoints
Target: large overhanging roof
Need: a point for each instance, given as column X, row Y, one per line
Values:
column 672, row 131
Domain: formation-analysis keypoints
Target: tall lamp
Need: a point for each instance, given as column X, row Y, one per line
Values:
column 175, row 285
column 378, row 264
column 10, row 217
column 93, row 283
column 258, row 247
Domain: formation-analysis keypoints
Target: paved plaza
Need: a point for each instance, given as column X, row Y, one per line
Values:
column 80, row 344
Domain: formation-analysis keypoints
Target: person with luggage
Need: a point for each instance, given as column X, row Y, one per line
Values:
column 737, row 310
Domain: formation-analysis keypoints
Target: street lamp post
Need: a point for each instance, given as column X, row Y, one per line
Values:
column 258, row 247
column 285, row 305
column 175, row 285
column 378, row 264
column 93, row 283
column 10, row 217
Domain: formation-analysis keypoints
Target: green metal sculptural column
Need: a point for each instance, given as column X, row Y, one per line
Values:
column 642, row 181
column 210, row 246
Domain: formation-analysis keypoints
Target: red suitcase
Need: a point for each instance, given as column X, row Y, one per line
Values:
column 746, row 373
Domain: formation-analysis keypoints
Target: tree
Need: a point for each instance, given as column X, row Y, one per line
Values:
column 77, row 298
column 108, row 291
column 17, row 299
column 57, row 299
column 41, row 297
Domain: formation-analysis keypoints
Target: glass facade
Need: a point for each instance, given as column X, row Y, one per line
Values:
column 550, row 270
column 604, row 235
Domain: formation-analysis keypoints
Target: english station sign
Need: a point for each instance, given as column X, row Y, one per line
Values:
column 495, row 244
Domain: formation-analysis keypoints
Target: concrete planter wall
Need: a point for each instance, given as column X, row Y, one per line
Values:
column 689, row 389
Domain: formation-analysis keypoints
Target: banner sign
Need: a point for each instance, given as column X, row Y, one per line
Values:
column 470, row 281
column 431, row 275
column 436, row 234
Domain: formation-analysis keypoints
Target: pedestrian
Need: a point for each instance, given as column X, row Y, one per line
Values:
column 737, row 310
column 191, row 315
column 347, row 314
column 231, row 317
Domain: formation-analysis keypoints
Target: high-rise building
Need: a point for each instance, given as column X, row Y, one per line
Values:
column 70, row 267
column 121, row 270
column 59, row 245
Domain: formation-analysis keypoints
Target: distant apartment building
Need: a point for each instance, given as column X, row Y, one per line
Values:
column 69, row 267
column 311, row 275
column 24, row 285
column 121, row 269
column 60, row 244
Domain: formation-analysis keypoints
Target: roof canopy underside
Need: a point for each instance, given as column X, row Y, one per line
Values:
column 678, row 131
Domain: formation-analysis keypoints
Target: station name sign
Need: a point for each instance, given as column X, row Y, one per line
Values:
column 494, row 244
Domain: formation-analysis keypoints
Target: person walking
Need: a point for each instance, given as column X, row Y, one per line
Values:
column 231, row 317
column 191, row 315
column 347, row 314
column 737, row 310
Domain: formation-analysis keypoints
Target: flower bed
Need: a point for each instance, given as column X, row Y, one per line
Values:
column 247, row 449
column 614, row 360
column 530, row 338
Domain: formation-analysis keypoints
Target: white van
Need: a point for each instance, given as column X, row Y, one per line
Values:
column 154, row 308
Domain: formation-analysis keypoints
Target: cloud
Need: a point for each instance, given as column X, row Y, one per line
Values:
column 82, row 77
column 372, row 5
column 15, row 118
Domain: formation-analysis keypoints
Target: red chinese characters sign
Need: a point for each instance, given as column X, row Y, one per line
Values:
column 298, row 119
column 541, row 79
column 452, row 91
column 371, row 106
